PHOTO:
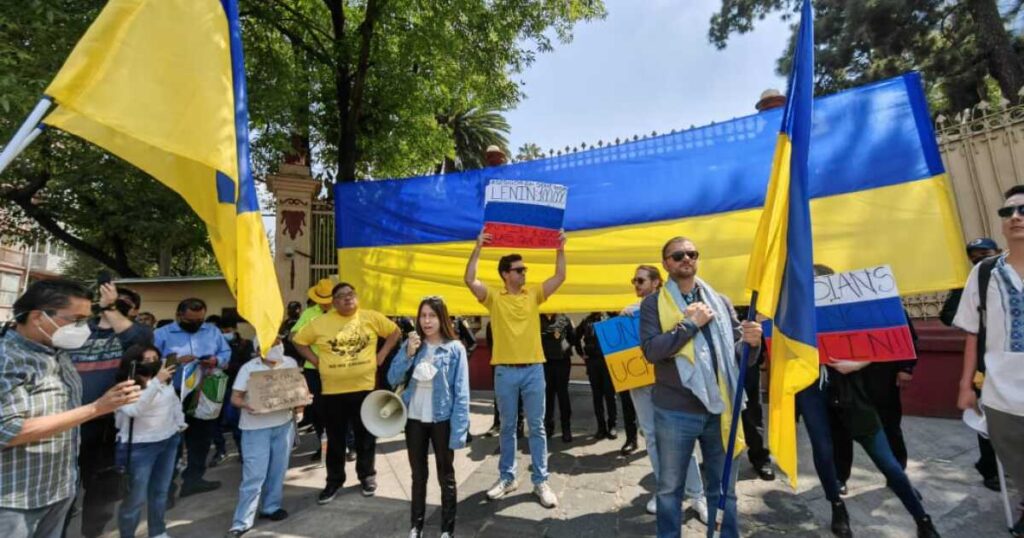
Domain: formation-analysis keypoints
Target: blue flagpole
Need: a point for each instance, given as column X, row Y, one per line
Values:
column 737, row 403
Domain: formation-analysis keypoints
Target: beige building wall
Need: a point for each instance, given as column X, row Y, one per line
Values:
column 162, row 295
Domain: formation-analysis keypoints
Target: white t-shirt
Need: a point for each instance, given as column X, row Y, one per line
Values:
column 421, row 404
column 1004, row 369
column 249, row 421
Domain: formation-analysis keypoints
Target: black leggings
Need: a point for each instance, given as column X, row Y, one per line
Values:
column 418, row 435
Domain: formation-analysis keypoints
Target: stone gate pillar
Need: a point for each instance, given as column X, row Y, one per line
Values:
column 293, row 188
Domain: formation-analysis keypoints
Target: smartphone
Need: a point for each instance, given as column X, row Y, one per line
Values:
column 171, row 359
column 131, row 371
column 104, row 277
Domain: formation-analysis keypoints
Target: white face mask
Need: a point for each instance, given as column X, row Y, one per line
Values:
column 425, row 371
column 71, row 336
column 276, row 354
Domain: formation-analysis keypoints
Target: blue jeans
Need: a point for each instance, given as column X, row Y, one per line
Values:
column 877, row 447
column 645, row 417
column 812, row 405
column 677, row 433
column 510, row 384
column 151, row 468
column 266, row 452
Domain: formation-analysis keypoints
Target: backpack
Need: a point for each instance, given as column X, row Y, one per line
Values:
column 984, row 275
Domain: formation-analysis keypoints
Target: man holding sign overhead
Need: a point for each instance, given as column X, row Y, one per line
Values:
column 518, row 359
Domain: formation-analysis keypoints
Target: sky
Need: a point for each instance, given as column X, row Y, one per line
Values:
column 648, row 66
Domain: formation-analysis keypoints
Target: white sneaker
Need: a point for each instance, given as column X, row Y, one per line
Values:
column 652, row 505
column 502, row 488
column 700, row 505
column 415, row 533
column 446, row 535
column 545, row 495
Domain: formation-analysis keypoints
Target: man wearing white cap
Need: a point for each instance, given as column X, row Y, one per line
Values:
column 494, row 156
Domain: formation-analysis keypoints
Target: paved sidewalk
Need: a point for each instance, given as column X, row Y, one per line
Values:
column 602, row 494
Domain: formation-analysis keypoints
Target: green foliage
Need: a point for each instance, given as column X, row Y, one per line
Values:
column 861, row 41
column 355, row 88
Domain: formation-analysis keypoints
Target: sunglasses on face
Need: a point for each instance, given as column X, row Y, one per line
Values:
column 637, row 281
column 678, row 255
column 520, row 270
column 1009, row 211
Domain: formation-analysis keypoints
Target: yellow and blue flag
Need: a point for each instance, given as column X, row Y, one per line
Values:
column 781, row 264
column 161, row 84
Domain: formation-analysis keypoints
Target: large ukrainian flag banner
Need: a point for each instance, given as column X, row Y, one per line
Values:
column 879, row 195
column 781, row 267
column 161, row 84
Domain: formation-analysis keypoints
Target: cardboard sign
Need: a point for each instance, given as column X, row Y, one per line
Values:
column 860, row 317
column 619, row 338
column 277, row 390
column 524, row 214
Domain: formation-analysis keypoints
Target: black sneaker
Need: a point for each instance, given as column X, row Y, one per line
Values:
column 566, row 436
column 327, row 495
column 601, row 434
column 1018, row 529
column 277, row 515
column 350, row 455
column 494, row 431
column 926, row 529
column 217, row 459
column 612, row 434
column 842, row 489
column 201, row 486
column 992, row 483
column 767, row 473
column 315, row 458
column 841, row 520
column 628, row 448
column 235, row 533
column 369, row 485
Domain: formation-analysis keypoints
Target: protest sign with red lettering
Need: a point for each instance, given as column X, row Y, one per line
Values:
column 860, row 317
column 524, row 214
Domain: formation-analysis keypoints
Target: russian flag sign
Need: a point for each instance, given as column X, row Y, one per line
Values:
column 524, row 214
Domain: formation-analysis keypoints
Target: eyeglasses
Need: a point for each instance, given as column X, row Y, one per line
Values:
column 1009, row 211
column 520, row 270
column 345, row 296
column 77, row 321
column 678, row 255
column 638, row 281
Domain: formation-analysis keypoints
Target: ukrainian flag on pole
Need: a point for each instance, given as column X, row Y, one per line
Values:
column 781, row 264
column 161, row 84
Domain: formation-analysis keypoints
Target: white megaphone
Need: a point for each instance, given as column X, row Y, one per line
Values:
column 383, row 413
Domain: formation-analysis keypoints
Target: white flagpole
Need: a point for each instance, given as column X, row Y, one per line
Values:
column 26, row 133
column 1006, row 497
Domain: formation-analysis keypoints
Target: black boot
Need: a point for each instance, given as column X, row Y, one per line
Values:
column 925, row 528
column 841, row 520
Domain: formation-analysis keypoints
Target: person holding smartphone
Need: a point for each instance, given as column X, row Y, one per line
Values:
column 152, row 427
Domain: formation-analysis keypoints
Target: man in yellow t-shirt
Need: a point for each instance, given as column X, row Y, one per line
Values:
column 346, row 340
column 518, row 361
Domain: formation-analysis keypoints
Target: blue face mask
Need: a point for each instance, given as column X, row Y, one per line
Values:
column 230, row 337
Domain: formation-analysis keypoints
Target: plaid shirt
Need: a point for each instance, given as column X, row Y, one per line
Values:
column 35, row 382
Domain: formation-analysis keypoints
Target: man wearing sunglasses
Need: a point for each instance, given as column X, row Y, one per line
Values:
column 1002, row 392
column 691, row 334
column 518, row 358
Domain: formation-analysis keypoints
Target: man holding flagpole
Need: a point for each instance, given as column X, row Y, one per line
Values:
column 689, row 332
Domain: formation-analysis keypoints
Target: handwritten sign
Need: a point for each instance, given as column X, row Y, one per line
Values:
column 524, row 214
column 619, row 338
column 860, row 317
column 277, row 390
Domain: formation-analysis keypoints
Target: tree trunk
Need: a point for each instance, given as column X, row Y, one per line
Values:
column 1003, row 63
